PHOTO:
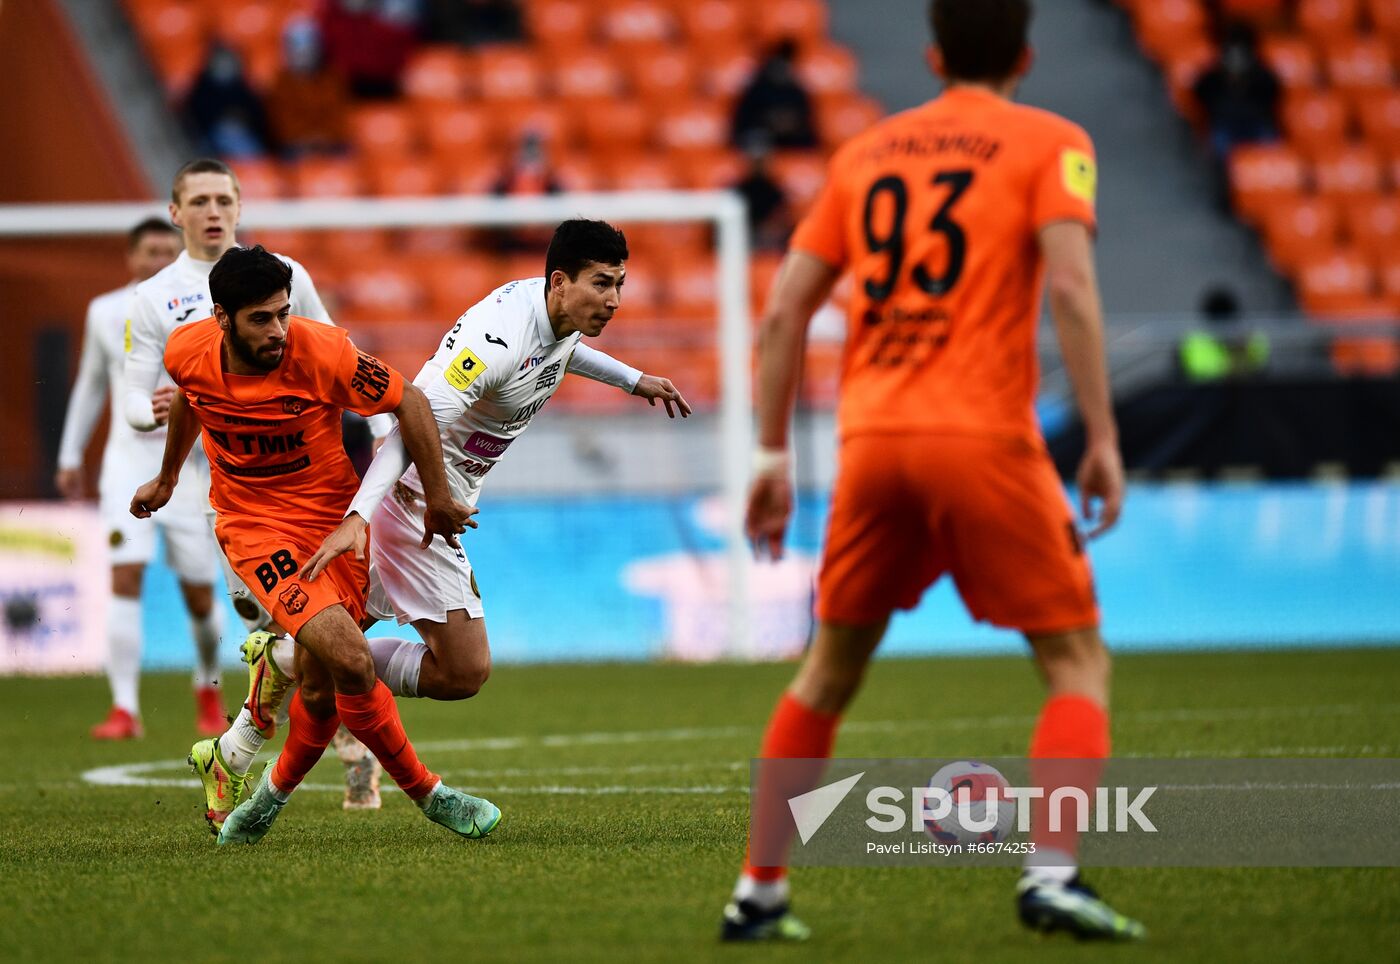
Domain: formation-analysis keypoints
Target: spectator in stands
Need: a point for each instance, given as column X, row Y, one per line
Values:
column 308, row 102
column 1239, row 94
column 473, row 22
column 222, row 109
column 770, row 217
column 369, row 42
column 527, row 173
column 774, row 106
column 1223, row 349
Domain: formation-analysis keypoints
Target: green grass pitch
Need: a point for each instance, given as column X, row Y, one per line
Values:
column 625, row 807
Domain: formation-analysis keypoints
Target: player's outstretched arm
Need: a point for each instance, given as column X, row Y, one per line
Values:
column 84, row 409
column 804, row 282
column 602, row 367
column 184, row 429
column 442, row 515
column 1074, row 304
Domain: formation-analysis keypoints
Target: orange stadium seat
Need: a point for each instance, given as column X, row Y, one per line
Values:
column 800, row 20
column 1328, row 20
column 1373, row 225
column 716, row 25
column 509, row 72
column 383, row 129
column 1389, row 275
column 1340, row 284
column 1349, row 171
column 1384, row 16
column 247, row 24
column 1315, row 120
column 1183, row 66
column 842, row 116
column 430, row 241
column 382, row 288
column 693, row 286
column 801, row 174
column 350, row 249
column 827, row 68
column 473, row 172
column 552, row 123
column 454, row 129
column 1261, row 174
column 1379, row 114
column 402, row 176
column 587, row 74
column 622, row 125
column 1300, row 230
column 1258, row 12
column 663, row 74
column 453, row 283
column 1359, row 64
column 293, row 243
column 710, row 170
column 1166, row 25
column 260, row 178
column 438, row 74
column 560, row 23
column 641, row 171
column 697, row 125
column 313, row 177
column 727, row 72
column 637, row 22
column 1292, row 59
column 575, row 172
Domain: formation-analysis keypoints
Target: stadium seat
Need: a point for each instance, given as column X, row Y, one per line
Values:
column 1349, row 171
column 438, row 74
column 801, row 174
column 383, row 288
column 1379, row 114
column 1359, row 64
column 1300, row 230
column 692, row 286
column 260, row 178
column 1261, row 174
column 509, row 72
column 1389, row 276
column 842, row 116
column 728, row 72
column 453, row 283
column 1328, row 20
column 1183, row 65
column 827, row 68
column 1373, row 225
column 1338, row 285
column 402, row 176
column 1261, row 13
column 352, row 249
column 663, row 74
column 474, row 172
column 560, row 23
column 697, row 125
column 821, row 374
column 641, row 171
column 576, row 172
column 383, row 129
column 622, row 125
column 587, row 74
column 632, row 23
column 423, row 242
column 1292, row 60
column 1384, row 16
column 247, row 25
column 324, row 177
column 1166, row 25
column 709, row 170
column 800, row 20
column 454, row 129
column 551, row 122
column 1315, row 120
column 715, row 25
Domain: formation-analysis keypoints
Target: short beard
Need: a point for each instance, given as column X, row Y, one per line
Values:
column 249, row 357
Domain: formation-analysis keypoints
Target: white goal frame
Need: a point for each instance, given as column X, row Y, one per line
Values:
column 724, row 209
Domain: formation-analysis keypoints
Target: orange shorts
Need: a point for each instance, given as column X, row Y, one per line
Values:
column 908, row 508
column 268, row 558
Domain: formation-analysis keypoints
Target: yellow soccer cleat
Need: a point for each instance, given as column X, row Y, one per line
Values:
column 268, row 686
column 223, row 789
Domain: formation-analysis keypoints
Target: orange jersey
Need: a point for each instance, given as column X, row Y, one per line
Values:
column 935, row 212
column 274, row 440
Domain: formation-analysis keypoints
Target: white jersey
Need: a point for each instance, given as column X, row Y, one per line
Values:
column 176, row 295
column 493, row 372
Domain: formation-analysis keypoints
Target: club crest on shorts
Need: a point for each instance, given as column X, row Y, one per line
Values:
column 293, row 599
column 115, row 538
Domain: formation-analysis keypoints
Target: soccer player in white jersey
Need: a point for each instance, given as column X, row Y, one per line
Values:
column 205, row 202
column 492, row 373
column 127, row 459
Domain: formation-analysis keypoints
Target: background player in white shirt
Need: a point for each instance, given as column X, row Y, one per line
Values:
column 129, row 458
column 492, row 373
column 205, row 203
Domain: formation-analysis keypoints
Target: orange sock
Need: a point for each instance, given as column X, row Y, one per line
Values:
column 795, row 732
column 1068, row 748
column 374, row 719
column 307, row 738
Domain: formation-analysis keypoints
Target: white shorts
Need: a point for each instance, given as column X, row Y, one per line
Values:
column 190, row 549
column 418, row 583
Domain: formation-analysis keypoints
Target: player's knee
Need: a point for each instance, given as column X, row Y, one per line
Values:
column 319, row 698
column 466, row 681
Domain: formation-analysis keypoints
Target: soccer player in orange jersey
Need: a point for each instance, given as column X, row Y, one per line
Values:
column 267, row 389
column 952, row 217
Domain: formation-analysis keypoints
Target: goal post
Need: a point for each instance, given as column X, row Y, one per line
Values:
column 725, row 211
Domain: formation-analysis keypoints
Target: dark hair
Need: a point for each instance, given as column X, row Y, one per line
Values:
column 201, row 165
column 148, row 226
column 980, row 39
column 579, row 242
column 247, row 276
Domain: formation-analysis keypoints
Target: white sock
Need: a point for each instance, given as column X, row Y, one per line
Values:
column 1052, row 866
column 278, row 794
column 767, row 894
column 398, row 662
column 206, row 632
column 284, row 654
column 124, row 652
column 241, row 743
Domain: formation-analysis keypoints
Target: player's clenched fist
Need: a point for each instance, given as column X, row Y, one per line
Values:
column 446, row 519
column 150, row 497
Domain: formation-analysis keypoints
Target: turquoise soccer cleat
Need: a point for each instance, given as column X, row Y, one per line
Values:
column 253, row 818
column 746, row 921
column 1075, row 907
column 461, row 812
